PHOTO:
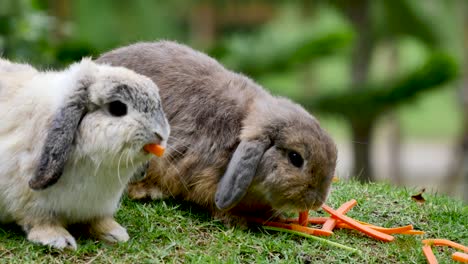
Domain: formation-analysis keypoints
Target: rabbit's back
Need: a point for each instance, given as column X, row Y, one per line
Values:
column 205, row 105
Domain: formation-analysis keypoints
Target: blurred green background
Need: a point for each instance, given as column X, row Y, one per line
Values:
column 386, row 78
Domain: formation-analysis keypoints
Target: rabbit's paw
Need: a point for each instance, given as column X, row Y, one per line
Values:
column 138, row 191
column 107, row 229
column 53, row 236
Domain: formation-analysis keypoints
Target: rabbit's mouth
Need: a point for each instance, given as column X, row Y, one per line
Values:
column 296, row 205
column 156, row 149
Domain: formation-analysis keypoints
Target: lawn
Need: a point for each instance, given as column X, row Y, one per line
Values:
column 169, row 232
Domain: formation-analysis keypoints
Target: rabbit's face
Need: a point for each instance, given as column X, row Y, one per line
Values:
column 295, row 173
column 124, row 114
column 284, row 159
column 105, row 114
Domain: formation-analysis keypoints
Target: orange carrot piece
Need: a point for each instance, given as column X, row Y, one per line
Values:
column 461, row 257
column 311, row 220
column 389, row 231
column 317, row 220
column 299, row 228
column 427, row 250
column 413, row 232
column 353, row 223
column 155, row 149
column 392, row 230
column 445, row 242
column 344, row 208
column 310, row 230
column 303, row 216
column 403, row 230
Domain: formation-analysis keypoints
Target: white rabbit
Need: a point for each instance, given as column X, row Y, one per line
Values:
column 69, row 143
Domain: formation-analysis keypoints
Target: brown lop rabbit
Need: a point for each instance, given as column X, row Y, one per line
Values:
column 234, row 148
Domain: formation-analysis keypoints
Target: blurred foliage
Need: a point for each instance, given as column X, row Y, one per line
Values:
column 303, row 52
column 25, row 30
column 254, row 60
column 373, row 100
column 398, row 18
column 106, row 24
column 285, row 44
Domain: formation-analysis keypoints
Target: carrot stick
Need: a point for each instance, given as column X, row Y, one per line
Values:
column 389, row 231
column 311, row 220
column 324, row 241
column 392, row 230
column 303, row 216
column 395, row 230
column 365, row 229
column 155, row 149
column 311, row 231
column 445, row 242
column 462, row 257
column 344, row 208
column 431, row 259
column 317, row 220
column 299, row 228
column 413, row 232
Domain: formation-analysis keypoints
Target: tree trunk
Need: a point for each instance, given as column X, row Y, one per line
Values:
column 359, row 14
column 362, row 145
column 457, row 180
column 394, row 136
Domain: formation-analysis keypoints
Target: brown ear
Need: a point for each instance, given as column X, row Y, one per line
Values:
column 240, row 173
column 59, row 141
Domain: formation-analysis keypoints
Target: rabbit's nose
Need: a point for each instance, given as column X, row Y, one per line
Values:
column 158, row 138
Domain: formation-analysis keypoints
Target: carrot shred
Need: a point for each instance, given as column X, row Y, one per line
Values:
column 299, row 228
column 413, row 232
column 311, row 231
column 353, row 223
column 311, row 220
column 461, row 257
column 330, row 224
column 317, row 220
column 155, row 149
column 445, row 242
column 385, row 230
column 392, row 230
column 427, row 250
column 316, row 238
column 303, row 216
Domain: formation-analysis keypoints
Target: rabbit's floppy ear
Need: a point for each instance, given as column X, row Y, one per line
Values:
column 60, row 136
column 58, row 143
column 239, row 173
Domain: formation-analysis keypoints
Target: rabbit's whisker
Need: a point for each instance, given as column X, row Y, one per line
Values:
column 275, row 215
column 179, row 175
column 118, row 167
column 128, row 156
column 181, row 142
column 174, row 149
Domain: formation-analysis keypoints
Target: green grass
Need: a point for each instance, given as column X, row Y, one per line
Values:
column 169, row 232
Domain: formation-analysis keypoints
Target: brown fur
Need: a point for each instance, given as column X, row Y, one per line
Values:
column 210, row 110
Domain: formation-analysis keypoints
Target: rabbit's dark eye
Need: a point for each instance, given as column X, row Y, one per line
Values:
column 117, row 108
column 295, row 158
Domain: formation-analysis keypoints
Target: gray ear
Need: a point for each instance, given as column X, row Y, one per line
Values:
column 59, row 141
column 240, row 173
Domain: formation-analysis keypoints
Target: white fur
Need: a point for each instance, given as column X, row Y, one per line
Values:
column 100, row 164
